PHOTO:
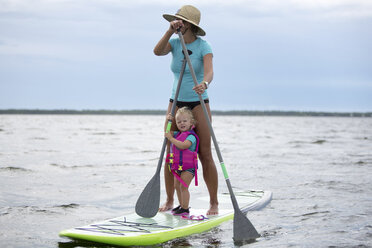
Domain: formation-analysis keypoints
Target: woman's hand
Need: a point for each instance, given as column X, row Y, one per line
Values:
column 170, row 117
column 175, row 25
column 200, row 88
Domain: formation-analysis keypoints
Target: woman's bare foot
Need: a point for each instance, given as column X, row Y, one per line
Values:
column 213, row 209
column 168, row 205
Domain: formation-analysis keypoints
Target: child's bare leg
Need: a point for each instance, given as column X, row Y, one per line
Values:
column 185, row 194
column 177, row 186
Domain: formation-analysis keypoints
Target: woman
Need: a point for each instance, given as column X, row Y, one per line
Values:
column 187, row 20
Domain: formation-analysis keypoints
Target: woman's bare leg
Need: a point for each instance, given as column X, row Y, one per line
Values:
column 205, row 155
column 168, row 176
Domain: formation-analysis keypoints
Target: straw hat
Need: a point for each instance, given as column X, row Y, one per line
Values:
column 187, row 13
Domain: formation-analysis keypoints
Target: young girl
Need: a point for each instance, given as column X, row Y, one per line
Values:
column 183, row 157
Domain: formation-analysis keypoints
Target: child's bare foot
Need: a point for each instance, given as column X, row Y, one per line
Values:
column 213, row 209
column 168, row 205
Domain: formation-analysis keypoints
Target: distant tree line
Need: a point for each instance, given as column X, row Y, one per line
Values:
column 80, row 112
column 162, row 112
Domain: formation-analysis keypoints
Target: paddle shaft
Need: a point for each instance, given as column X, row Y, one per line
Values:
column 173, row 110
column 240, row 221
column 147, row 204
column 235, row 204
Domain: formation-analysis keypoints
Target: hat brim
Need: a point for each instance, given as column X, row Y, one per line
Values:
column 170, row 18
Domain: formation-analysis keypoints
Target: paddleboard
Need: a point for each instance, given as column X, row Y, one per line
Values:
column 132, row 229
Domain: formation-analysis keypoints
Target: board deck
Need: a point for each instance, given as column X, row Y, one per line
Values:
column 132, row 229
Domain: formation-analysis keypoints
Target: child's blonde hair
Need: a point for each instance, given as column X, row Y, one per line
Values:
column 187, row 111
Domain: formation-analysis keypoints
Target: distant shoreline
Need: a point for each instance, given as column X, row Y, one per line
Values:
column 162, row 112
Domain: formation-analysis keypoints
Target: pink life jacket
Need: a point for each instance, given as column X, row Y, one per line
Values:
column 181, row 160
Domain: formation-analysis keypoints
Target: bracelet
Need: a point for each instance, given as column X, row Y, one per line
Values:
column 206, row 84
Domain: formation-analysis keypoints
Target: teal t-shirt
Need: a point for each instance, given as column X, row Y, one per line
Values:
column 191, row 138
column 199, row 49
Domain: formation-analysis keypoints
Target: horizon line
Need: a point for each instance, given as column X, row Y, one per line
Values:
column 162, row 112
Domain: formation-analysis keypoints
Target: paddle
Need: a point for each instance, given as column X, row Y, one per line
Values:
column 243, row 228
column 148, row 202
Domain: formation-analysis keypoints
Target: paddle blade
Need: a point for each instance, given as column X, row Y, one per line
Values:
column 148, row 202
column 243, row 228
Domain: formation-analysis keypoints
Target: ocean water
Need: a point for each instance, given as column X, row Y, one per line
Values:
column 61, row 171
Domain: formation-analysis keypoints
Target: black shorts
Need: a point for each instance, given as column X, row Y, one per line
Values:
column 190, row 105
column 192, row 171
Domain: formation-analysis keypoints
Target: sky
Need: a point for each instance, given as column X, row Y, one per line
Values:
column 300, row 55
